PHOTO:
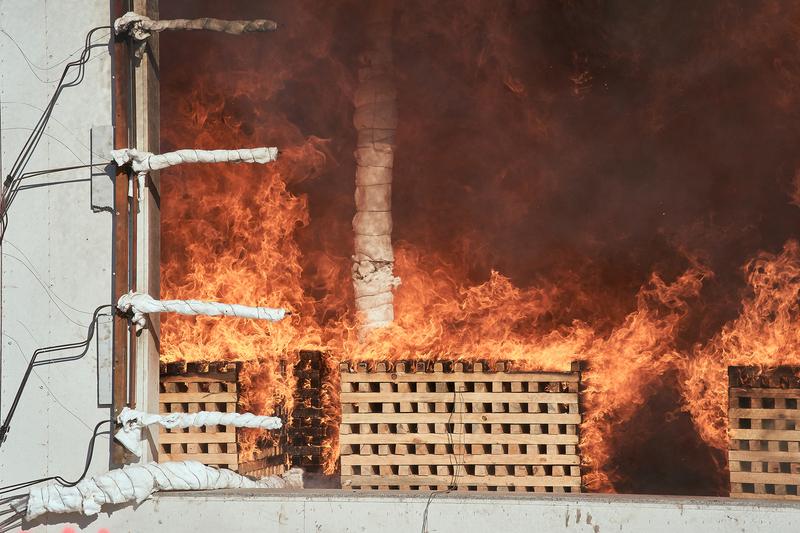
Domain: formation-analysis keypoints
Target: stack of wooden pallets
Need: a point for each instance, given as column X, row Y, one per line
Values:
column 764, row 417
column 465, row 426
column 194, row 387
column 269, row 461
column 307, row 431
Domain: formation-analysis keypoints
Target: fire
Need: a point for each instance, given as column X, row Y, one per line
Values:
column 765, row 335
column 559, row 195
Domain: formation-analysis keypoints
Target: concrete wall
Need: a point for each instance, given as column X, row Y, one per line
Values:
column 57, row 255
column 340, row 511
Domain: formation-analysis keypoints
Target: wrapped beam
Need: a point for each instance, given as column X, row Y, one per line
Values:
column 135, row 483
column 140, row 27
column 132, row 421
column 146, row 161
column 375, row 119
column 140, row 304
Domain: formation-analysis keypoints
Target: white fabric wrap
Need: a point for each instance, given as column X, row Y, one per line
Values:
column 142, row 304
column 140, row 27
column 135, row 483
column 143, row 162
column 133, row 421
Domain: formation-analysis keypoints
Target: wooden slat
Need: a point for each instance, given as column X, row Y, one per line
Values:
column 467, row 397
column 434, row 377
column 468, row 459
column 208, row 377
column 768, row 414
column 433, row 438
column 512, row 481
column 764, row 393
column 205, row 458
column 765, row 434
column 187, row 397
column 780, row 457
column 765, row 477
column 197, row 438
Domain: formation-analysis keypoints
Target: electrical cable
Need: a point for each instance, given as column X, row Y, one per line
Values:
column 454, row 463
column 82, row 345
column 58, row 479
column 11, row 183
column 12, row 192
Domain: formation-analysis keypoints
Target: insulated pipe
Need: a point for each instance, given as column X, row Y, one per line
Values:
column 375, row 120
column 140, row 304
column 141, row 27
column 146, row 161
column 132, row 421
column 136, row 482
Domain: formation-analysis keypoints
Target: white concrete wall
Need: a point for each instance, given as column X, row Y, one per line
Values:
column 56, row 263
column 340, row 511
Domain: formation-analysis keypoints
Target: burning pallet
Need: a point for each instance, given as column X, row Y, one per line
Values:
column 306, row 432
column 270, row 461
column 194, row 387
column 464, row 426
column 764, row 451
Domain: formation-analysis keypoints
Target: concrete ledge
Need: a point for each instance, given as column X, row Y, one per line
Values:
column 314, row 511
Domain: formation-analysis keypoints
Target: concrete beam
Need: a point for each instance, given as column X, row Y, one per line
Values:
column 330, row 511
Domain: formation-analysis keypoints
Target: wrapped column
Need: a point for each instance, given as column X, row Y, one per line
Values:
column 375, row 119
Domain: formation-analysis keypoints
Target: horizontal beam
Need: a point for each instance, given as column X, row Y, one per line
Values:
column 461, row 418
column 461, row 438
column 197, row 438
column 458, row 397
column 439, row 377
column 197, row 397
column 499, row 481
column 466, row 459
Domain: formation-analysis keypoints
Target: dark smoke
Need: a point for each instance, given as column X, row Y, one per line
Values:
column 585, row 144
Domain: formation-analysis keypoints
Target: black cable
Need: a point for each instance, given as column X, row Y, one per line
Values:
column 454, row 465
column 11, row 183
column 33, row 362
column 58, row 479
column 11, row 192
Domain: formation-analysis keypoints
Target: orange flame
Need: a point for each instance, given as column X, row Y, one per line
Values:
column 245, row 234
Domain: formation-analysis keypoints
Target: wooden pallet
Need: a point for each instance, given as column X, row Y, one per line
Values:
column 764, row 456
column 463, row 426
column 193, row 387
column 306, row 431
column 272, row 461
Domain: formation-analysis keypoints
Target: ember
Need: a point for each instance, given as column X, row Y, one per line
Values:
column 571, row 181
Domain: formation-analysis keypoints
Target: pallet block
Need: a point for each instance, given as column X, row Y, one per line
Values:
column 764, row 454
column 415, row 425
column 194, row 387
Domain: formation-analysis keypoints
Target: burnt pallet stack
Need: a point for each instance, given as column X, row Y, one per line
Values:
column 463, row 426
column 194, row 387
column 764, row 454
column 270, row 461
column 306, row 430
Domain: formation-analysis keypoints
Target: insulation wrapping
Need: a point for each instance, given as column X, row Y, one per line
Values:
column 141, row 27
column 132, row 421
column 146, row 161
column 135, row 483
column 141, row 304
column 375, row 120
